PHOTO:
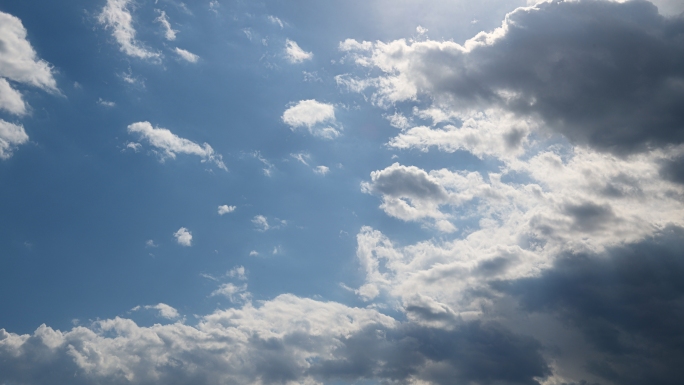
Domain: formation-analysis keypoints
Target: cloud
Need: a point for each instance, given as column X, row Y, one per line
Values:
column 626, row 304
column 225, row 209
column 19, row 63
column 116, row 16
column 284, row 340
column 295, row 54
column 602, row 73
column 238, row 272
column 276, row 21
column 105, row 103
column 183, row 237
column 10, row 99
column 170, row 144
column 165, row 311
column 317, row 117
column 321, row 170
column 261, row 223
column 186, row 55
column 11, row 135
column 169, row 33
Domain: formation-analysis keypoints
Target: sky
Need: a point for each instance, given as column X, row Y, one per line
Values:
column 409, row 192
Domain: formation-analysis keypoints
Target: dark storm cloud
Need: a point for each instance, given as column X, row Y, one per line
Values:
column 628, row 303
column 602, row 73
column 673, row 170
column 473, row 353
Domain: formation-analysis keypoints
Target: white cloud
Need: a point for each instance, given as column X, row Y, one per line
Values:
column 186, row 55
column 275, row 21
column 214, row 6
column 321, row 170
column 238, row 272
column 19, row 61
column 225, row 209
column 116, row 16
column 317, row 117
column 11, row 135
column 165, row 311
column 261, row 223
column 169, row 33
column 294, row 53
column 170, row 144
column 105, row 103
column 150, row 243
column 10, row 99
column 302, row 157
column 183, row 237
column 233, row 292
column 253, row 253
column 268, row 170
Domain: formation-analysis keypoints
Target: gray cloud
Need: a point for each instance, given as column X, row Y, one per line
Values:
column 602, row 73
column 628, row 303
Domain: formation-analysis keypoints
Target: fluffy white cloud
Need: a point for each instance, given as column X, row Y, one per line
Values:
column 165, row 311
column 169, row 33
column 317, row 117
column 11, row 135
column 186, row 55
column 225, row 209
column 10, row 99
column 170, row 144
column 261, row 223
column 294, row 53
column 116, row 16
column 321, row 170
column 18, row 61
column 183, row 237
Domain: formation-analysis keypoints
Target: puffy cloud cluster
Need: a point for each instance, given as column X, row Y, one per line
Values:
column 286, row 340
column 317, row 117
column 170, row 144
column 294, row 53
column 601, row 73
column 116, row 16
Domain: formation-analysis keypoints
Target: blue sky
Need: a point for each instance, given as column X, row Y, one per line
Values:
column 410, row 192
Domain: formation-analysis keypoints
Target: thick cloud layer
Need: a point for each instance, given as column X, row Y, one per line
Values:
column 602, row 73
column 286, row 340
column 628, row 303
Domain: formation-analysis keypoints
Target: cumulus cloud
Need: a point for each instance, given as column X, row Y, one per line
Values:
column 225, row 209
column 183, row 237
column 321, row 170
column 11, row 135
column 169, row 33
column 602, row 73
column 294, row 53
column 19, row 63
column 170, row 144
column 186, row 55
column 165, row 311
column 116, row 16
column 317, row 117
column 284, row 340
column 261, row 223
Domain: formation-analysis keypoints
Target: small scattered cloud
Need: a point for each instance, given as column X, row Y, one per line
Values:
column 233, row 292
column 214, row 6
column 261, row 223
column 268, row 170
column 295, row 54
column 237, row 272
column 116, row 16
column 253, row 253
column 183, row 237
column 311, row 76
column 225, row 209
column 321, row 170
column 169, row 33
column 186, row 55
column 302, row 157
column 11, row 135
column 317, row 117
column 165, row 311
column 150, row 243
column 106, row 103
column 276, row 21
column 171, row 144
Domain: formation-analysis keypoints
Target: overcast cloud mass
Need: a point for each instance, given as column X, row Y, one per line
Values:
column 352, row 192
